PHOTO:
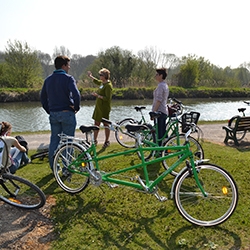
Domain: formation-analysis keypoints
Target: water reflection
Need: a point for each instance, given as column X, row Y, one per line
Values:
column 29, row 116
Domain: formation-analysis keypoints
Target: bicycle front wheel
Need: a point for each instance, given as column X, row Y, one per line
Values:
column 217, row 206
column 122, row 136
column 195, row 147
column 68, row 167
column 20, row 192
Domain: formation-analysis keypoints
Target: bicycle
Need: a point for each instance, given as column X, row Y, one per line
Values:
column 127, row 140
column 121, row 135
column 204, row 194
column 17, row 191
column 175, row 140
column 179, row 139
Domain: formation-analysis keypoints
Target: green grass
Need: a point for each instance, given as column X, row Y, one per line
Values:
column 104, row 218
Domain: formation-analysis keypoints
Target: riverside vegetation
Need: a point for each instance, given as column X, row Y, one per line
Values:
column 100, row 218
column 25, row 94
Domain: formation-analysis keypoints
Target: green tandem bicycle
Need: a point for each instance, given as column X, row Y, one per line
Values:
column 205, row 194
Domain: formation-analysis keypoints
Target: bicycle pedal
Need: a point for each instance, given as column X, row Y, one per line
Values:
column 112, row 185
column 161, row 198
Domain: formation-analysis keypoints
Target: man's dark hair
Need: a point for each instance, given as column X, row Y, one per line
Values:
column 60, row 61
column 163, row 72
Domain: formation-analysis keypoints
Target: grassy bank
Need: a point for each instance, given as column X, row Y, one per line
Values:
column 16, row 95
column 104, row 218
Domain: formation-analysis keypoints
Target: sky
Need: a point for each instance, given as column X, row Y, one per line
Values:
column 217, row 30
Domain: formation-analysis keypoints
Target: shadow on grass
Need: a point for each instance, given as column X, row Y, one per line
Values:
column 49, row 185
column 218, row 232
column 244, row 146
column 115, row 227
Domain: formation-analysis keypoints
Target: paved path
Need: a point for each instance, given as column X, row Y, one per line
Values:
column 211, row 132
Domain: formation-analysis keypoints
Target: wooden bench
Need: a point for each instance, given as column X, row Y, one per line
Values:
column 241, row 125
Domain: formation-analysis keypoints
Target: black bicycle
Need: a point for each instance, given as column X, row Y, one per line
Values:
column 15, row 190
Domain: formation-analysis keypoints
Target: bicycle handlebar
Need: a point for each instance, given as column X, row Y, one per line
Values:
column 177, row 101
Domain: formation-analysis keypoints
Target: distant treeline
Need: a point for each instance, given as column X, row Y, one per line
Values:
column 22, row 67
column 22, row 95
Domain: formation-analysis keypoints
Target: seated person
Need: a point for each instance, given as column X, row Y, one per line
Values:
column 17, row 152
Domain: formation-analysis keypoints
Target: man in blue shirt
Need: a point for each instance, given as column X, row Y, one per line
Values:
column 60, row 98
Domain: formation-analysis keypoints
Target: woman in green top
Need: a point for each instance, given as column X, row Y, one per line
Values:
column 103, row 102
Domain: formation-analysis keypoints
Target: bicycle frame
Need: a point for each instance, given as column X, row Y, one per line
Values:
column 183, row 151
column 171, row 129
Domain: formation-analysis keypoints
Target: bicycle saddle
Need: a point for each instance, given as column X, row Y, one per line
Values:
column 135, row 127
column 139, row 108
column 154, row 114
column 85, row 129
column 241, row 109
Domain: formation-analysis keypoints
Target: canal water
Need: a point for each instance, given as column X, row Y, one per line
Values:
column 30, row 116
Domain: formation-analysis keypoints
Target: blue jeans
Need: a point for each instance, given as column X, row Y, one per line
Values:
column 161, row 121
column 60, row 122
column 17, row 158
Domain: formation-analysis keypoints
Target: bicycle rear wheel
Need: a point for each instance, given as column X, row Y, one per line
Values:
column 122, row 136
column 195, row 147
column 221, row 200
column 68, row 168
column 147, row 137
column 20, row 192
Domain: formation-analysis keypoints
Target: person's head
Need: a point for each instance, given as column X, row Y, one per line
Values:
column 161, row 72
column 62, row 62
column 104, row 73
column 5, row 128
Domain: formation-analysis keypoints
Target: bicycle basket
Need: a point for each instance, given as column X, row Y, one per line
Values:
column 187, row 119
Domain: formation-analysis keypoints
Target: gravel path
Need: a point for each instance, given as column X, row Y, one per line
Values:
column 211, row 132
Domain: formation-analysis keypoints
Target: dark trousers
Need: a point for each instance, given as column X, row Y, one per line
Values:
column 161, row 121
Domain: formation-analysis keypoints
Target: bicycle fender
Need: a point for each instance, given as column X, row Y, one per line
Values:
column 71, row 143
column 175, row 180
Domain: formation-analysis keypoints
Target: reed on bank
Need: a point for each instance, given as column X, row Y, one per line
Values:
column 16, row 95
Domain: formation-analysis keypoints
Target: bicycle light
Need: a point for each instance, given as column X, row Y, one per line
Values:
column 224, row 190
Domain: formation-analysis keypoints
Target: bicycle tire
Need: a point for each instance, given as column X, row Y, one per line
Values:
column 68, row 177
column 24, row 194
column 147, row 136
column 4, row 154
column 195, row 147
column 239, row 134
column 221, row 200
column 122, row 137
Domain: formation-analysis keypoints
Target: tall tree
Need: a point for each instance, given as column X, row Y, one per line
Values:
column 120, row 63
column 46, row 62
column 78, row 64
column 23, row 67
column 62, row 50
column 189, row 74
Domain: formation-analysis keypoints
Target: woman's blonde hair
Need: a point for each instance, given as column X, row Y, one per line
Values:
column 105, row 72
column 5, row 127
